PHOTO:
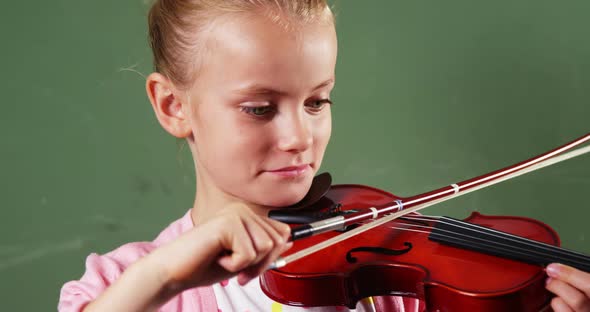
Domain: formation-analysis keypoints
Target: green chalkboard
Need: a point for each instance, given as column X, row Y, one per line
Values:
column 428, row 93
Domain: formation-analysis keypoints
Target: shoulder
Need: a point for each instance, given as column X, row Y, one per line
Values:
column 102, row 270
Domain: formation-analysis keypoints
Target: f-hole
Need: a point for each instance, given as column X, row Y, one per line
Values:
column 378, row 250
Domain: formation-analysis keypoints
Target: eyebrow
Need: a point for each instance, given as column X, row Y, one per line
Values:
column 257, row 89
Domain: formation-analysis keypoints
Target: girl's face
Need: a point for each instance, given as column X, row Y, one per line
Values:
column 260, row 109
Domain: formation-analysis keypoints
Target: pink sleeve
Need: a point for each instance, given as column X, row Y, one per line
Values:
column 101, row 271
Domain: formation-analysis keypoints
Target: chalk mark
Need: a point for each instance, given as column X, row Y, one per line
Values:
column 41, row 252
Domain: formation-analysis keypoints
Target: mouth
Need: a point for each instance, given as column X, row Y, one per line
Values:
column 291, row 171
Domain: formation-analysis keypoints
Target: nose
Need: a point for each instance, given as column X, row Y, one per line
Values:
column 295, row 134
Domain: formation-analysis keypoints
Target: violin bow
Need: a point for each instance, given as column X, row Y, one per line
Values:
column 398, row 208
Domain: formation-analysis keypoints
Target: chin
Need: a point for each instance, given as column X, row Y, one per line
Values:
column 282, row 200
column 285, row 195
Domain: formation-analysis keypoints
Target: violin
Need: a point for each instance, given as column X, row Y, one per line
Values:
column 355, row 241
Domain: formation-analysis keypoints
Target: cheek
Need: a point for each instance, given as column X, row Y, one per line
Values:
column 251, row 138
column 237, row 145
column 323, row 132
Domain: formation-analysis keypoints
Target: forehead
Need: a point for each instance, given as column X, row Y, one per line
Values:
column 246, row 48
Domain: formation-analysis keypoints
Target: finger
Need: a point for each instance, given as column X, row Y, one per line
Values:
column 274, row 256
column 283, row 229
column 238, row 241
column 558, row 305
column 256, row 270
column 263, row 236
column 265, row 257
column 571, row 296
column 572, row 276
column 280, row 233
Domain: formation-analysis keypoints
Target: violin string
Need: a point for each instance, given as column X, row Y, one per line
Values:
column 502, row 235
column 411, row 230
column 506, row 247
column 282, row 261
column 494, row 244
column 423, row 218
column 514, row 238
column 509, row 249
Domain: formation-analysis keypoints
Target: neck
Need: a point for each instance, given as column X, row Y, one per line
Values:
column 209, row 200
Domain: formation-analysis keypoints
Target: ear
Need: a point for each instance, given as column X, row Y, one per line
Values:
column 167, row 105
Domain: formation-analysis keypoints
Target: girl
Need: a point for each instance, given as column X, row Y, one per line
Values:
column 247, row 83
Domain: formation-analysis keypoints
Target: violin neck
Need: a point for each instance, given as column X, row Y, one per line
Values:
column 458, row 233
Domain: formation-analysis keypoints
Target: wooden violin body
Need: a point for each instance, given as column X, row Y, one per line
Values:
column 390, row 261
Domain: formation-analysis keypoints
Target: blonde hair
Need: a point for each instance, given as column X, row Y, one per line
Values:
column 175, row 25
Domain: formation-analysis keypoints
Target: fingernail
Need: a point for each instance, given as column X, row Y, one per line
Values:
column 243, row 281
column 548, row 280
column 552, row 270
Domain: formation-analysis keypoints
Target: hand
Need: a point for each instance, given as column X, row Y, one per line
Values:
column 234, row 242
column 571, row 286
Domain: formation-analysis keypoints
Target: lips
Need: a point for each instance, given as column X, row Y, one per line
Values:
column 291, row 168
column 291, row 171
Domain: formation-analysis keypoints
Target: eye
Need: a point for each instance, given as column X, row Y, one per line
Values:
column 257, row 110
column 316, row 106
